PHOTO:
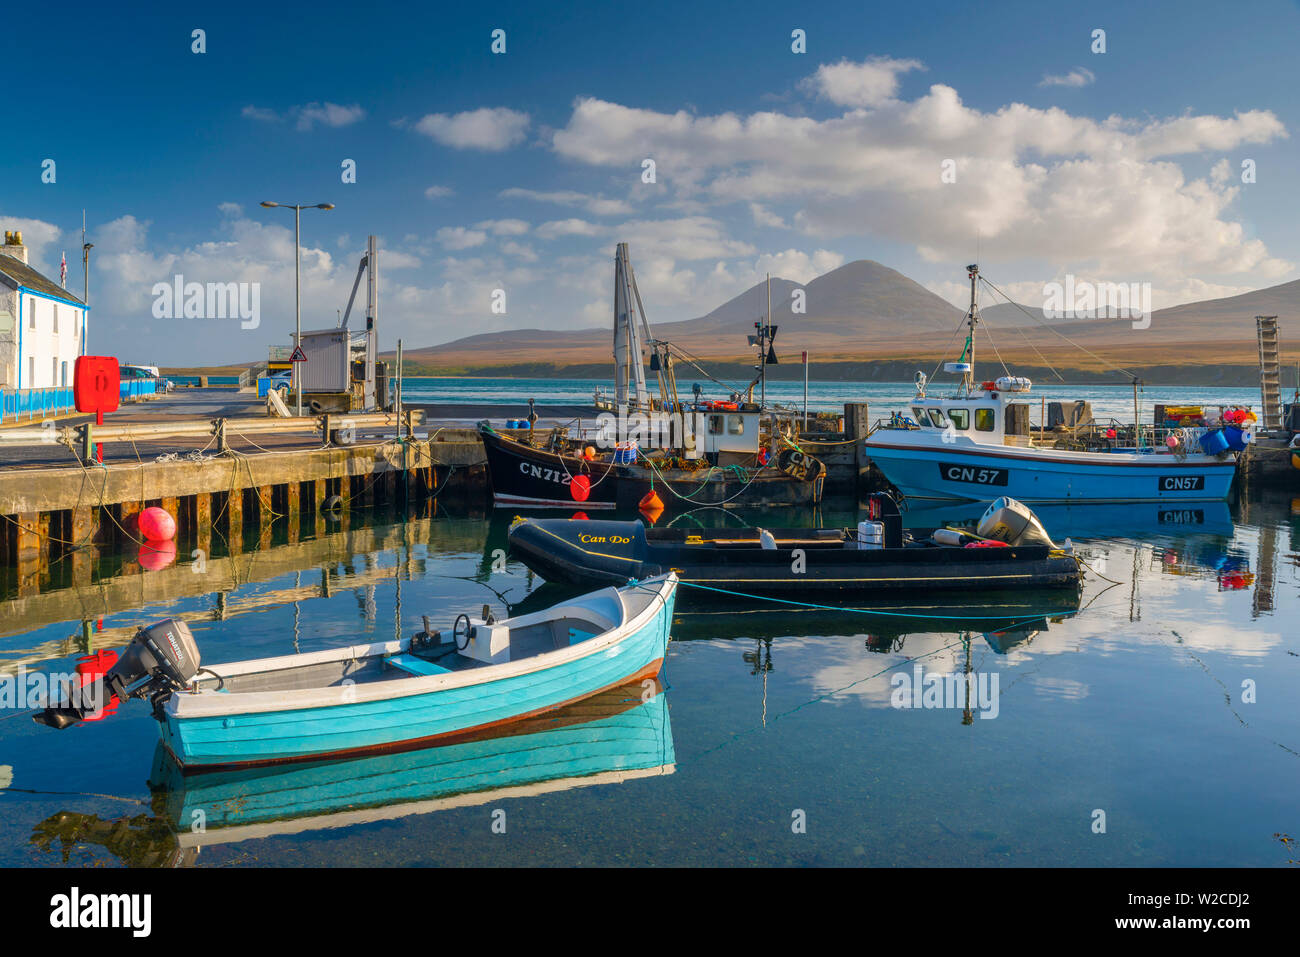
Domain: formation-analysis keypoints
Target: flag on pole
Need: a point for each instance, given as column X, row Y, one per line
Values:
column 63, row 270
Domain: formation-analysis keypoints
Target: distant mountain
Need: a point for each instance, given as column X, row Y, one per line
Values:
column 864, row 311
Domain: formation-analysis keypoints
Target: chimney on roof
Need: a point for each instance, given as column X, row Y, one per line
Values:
column 14, row 246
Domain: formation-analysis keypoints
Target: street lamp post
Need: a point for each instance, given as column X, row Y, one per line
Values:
column 297, row 281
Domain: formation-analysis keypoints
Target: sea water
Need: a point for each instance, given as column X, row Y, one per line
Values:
column 1157, row 726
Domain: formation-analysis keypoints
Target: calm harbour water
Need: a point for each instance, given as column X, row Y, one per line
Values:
column 1133, row 707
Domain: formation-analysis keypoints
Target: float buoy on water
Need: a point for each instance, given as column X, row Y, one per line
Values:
column 157, row 525
column 156, row 555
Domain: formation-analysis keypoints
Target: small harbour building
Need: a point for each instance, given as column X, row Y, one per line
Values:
column 42, row 325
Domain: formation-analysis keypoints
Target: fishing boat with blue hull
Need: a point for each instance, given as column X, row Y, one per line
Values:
column 876, row 558
column 388, row 696
column 978, row 441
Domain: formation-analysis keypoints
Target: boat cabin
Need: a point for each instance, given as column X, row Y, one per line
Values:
column 988, row 416
column 725, row 436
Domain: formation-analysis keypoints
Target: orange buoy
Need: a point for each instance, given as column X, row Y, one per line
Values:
column 589, row 453
column 651, row 502
column 580, row 488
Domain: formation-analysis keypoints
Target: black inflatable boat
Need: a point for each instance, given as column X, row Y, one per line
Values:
column 789, row 562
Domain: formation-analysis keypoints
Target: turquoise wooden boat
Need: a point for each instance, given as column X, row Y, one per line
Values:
column 617, row 736
column 432, row 688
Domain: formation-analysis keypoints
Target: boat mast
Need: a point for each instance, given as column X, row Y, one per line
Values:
column 968, row 377
column 627, row 338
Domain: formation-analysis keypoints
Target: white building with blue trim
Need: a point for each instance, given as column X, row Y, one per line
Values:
column 42, row 325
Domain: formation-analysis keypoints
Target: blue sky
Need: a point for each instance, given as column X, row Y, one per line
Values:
column 521, row 171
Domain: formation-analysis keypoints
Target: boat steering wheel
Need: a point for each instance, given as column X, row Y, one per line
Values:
column 456, row 632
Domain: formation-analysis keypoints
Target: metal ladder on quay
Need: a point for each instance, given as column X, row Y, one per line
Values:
column 1270, row 373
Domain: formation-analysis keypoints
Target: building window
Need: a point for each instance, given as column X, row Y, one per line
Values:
column 54, row 371
column 31, row 372
column 31, row 307
column 56, row 318
column 63, row 374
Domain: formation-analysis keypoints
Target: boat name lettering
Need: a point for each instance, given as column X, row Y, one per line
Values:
column 612, row 539
column 548, row 475
column 1182, row 483
column 972, row 473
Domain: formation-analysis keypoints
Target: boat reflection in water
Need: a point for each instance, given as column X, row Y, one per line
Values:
column 617, row 736
column 1139, row 520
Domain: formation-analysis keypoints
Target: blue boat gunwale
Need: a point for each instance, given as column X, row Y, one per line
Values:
column 210, row 703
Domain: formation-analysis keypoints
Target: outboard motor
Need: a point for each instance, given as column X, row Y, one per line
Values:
column 159, row 660
column 1007, row 520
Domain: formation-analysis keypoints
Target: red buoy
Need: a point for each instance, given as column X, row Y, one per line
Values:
column 157, row 555
column 580, row 488
column 157, row 525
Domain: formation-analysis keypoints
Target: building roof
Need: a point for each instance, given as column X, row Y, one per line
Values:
column 20, row 274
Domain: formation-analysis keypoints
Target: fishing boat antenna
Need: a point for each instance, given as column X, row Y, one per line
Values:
column 973, row 318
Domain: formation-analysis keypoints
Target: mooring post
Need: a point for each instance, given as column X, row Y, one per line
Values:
column 27, row 553
column 857, row 423
column 235, row 520
column 128, row 517
column 84, row 527
column 202, row 512
column 294, row 502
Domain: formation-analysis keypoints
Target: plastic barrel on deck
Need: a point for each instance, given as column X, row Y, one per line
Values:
column 1212, row 443
column 1235, row 437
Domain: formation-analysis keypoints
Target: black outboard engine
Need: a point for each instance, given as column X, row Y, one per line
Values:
column 159, row 660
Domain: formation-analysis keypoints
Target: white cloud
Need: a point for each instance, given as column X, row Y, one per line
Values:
column 596, row 205
column 492, row 129
column 568, row 227
column 1035, row 184
column 1079, row 76
column 764, row 217
column 503, row 227
column 438, row 192
column 308, row 115
column 872, row 82
column 459, row 237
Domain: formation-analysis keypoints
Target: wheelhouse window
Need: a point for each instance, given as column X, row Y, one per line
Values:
column 984, row 420
column 918, row 415
column 735, row 425
column 936, row 418
column 960, row 418
column 715, row 425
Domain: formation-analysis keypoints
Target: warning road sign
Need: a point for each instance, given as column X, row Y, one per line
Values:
column 298, row 355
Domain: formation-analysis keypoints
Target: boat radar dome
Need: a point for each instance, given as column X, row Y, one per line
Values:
column 959, row 368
